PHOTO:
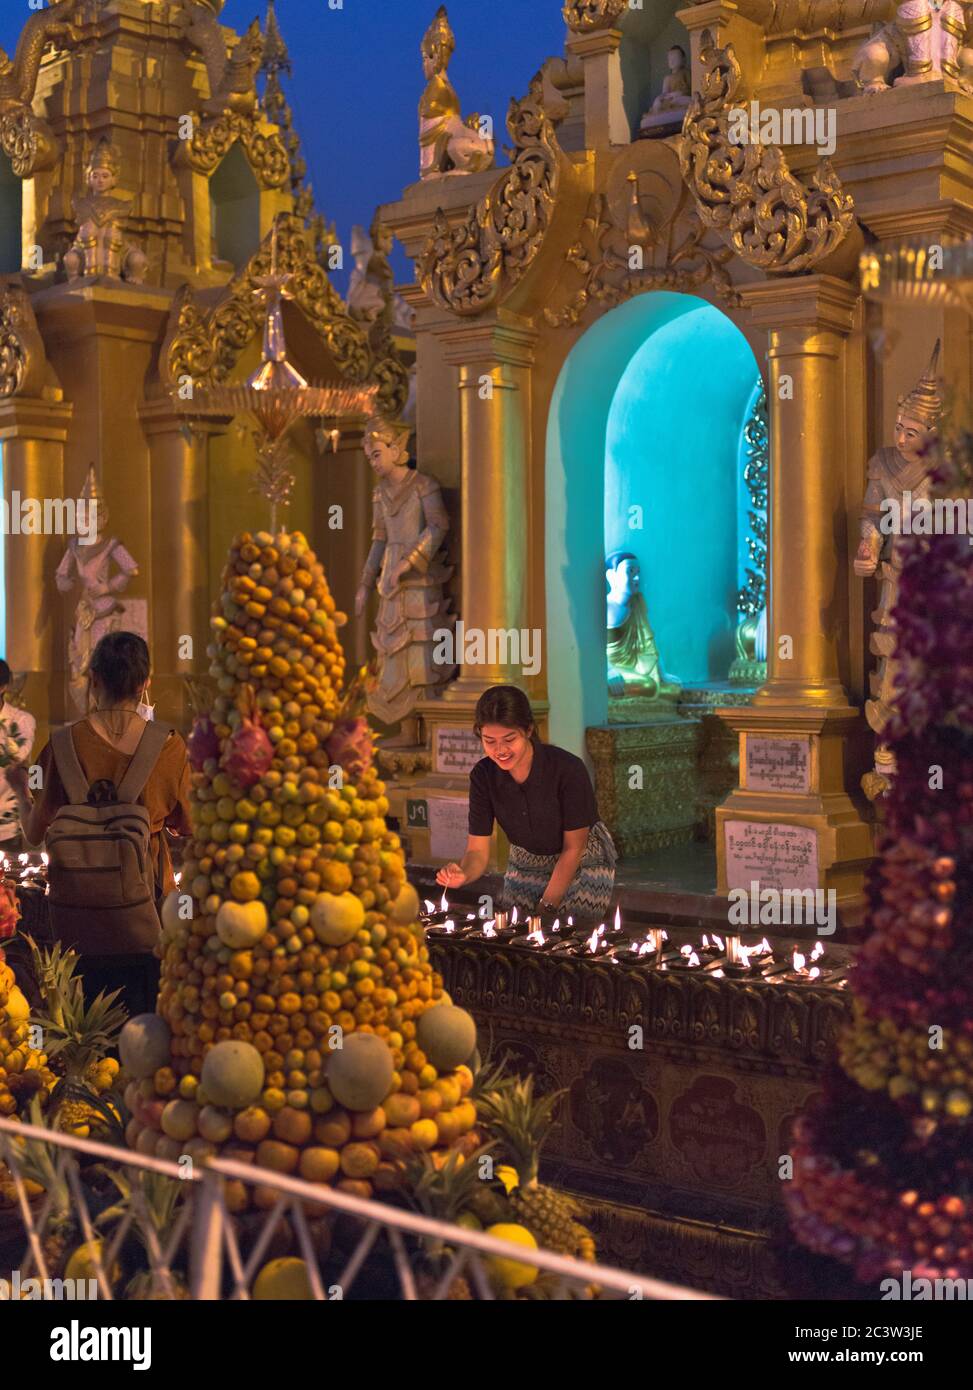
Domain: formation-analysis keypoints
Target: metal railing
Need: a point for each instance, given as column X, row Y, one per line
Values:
column 208, row 1231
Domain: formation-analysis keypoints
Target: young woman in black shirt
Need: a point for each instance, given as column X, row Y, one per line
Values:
column 561, row 854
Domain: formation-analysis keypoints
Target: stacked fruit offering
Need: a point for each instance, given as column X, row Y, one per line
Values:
column 883, row 1175
column 23, row 1069
column 300, row 1024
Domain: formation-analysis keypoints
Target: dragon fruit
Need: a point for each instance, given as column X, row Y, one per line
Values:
column 9, row 913
column 250, row 753
column 203, row 742
column 350, row 746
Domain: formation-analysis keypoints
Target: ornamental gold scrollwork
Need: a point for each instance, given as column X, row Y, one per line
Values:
column 584, row 16
column 747, row 193
column 26, row 140
column 206, row 346
column 464, row 268
column 602, row 257
column 212, row 139
column 22, row 357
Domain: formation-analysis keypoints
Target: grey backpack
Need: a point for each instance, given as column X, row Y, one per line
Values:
column 103, row 889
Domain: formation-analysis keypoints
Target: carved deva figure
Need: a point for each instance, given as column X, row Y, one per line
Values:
column 897, row 478
column 104, row 570
column 100, row 247
column 634, row 667
column 927, row 38
column 447, row 143
column 409, row 525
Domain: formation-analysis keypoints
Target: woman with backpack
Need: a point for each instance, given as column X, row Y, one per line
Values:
column 111, row 786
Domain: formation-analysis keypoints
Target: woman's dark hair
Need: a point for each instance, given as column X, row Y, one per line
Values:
column 4, row 674
column 507, row 706
column 120, row 664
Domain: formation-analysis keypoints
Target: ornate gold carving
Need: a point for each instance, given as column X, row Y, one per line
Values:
column 22, row 357
column 231, row 111
column 205, row 346
column 26, row 140
column 584, row 16
column 602, row 256
column 465, row 268
column 747, row 193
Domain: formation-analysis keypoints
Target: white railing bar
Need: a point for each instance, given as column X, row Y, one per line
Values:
column 309, row 1253
column 265, row 1237
column 402, row 1266
column 94, row 1250
column 95, row 1149
column 236, row 1260
column 578, row 1270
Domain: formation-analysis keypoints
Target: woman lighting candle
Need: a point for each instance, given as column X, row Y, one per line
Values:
column 562, row 857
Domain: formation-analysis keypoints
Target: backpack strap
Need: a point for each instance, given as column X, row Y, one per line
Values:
column 143, row 762
column 68, row 766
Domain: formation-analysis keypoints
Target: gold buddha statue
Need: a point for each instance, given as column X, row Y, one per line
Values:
column 897, row 478
column 634, row 666
column 447, row 143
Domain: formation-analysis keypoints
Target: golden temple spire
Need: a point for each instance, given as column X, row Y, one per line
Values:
column 925, row 401
column 276, row 58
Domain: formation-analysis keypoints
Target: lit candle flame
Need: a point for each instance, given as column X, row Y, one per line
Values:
column 449, row 924
column 693, row 959
column 513, row 915
column 537, row 937
column 720, row 945
column 799, row 962
column 430, row 905
column 764, row 947
column 471, row 916
column 45, row 858
column 686, row 950
column 618, row 919
column 557, row 924
column 570, row 921
column 489, row 929
column 443, row 905
column 813, row 972
column 705, row 940
column 818, row 951
column 594, row 937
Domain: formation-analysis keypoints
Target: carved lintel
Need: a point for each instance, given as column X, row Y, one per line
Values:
column 467, row 268
column 747, row 193
column 22, row 357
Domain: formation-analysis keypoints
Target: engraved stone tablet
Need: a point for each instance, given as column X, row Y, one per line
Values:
column 778, row 764
column 449, row 819
column 775, row 856
column 455, row 750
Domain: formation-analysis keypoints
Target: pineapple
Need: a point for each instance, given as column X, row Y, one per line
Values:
column 445, row 1192
column 37, row 1166
column 77, row 1038
column 155, row 1202
column 522, row 1121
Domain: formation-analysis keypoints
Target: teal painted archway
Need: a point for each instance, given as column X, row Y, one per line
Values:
column 645, row 427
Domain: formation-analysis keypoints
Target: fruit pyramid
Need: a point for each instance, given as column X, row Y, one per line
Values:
column 883, row 1171
column 299, row 1023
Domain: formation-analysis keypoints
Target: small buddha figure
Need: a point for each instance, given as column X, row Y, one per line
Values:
column 447, row 143
column 676, row 94
column 892, row 474
column 100, row 247
column 634, row 667
column 409, row 525
column 104, row 569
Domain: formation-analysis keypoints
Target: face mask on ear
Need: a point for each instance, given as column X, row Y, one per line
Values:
column 143, row 709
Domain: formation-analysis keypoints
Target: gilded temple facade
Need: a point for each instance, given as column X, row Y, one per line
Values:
column 538, row 283
column 144, row 170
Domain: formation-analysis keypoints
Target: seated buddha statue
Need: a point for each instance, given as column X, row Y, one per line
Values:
column 634, row 667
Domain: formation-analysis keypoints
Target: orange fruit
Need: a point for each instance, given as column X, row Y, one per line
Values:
column 318, row 1164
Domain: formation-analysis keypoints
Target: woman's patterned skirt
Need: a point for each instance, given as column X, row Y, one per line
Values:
column 589, row 892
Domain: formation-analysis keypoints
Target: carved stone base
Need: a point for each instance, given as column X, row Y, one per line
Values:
column 659, row 783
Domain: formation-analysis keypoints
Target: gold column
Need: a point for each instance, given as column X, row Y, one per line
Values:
column 32, row 436
column 815, row 396
column 605, row 120
column 179, row 529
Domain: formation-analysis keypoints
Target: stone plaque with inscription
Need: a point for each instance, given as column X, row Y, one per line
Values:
column 775, row 856
column 455, row 750
column 778, row 764
column 449, row 820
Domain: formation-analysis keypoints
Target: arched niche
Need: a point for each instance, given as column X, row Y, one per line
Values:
column 234, row 197
column 648, row 411
column 11, row 214
column 649, row 32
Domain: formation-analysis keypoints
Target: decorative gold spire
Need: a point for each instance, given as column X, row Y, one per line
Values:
column 925, row 401
column 276, row 58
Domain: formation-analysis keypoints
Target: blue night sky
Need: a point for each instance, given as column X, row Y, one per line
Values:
column 357, row 80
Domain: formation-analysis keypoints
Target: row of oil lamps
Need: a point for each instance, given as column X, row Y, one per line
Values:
column 25, row 871
column 716, row 956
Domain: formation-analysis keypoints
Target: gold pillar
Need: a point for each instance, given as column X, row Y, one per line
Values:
column 32, row 436
column 802, row 718
column 605, row 120
column 179, row 529
column 494, row 361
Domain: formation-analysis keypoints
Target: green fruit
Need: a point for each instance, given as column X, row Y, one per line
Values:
column 233, row 1074
column 447, row 1035
column 360, row 1072
column 144, row 1045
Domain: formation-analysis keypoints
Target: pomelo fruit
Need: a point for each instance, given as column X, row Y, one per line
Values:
column 144, row 1045
column 284, row 1280
column 447, row 1035
column 512, row 1274
column 241, row 925
column 336, row 917
column 233, row 1074
column 360, row 1072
